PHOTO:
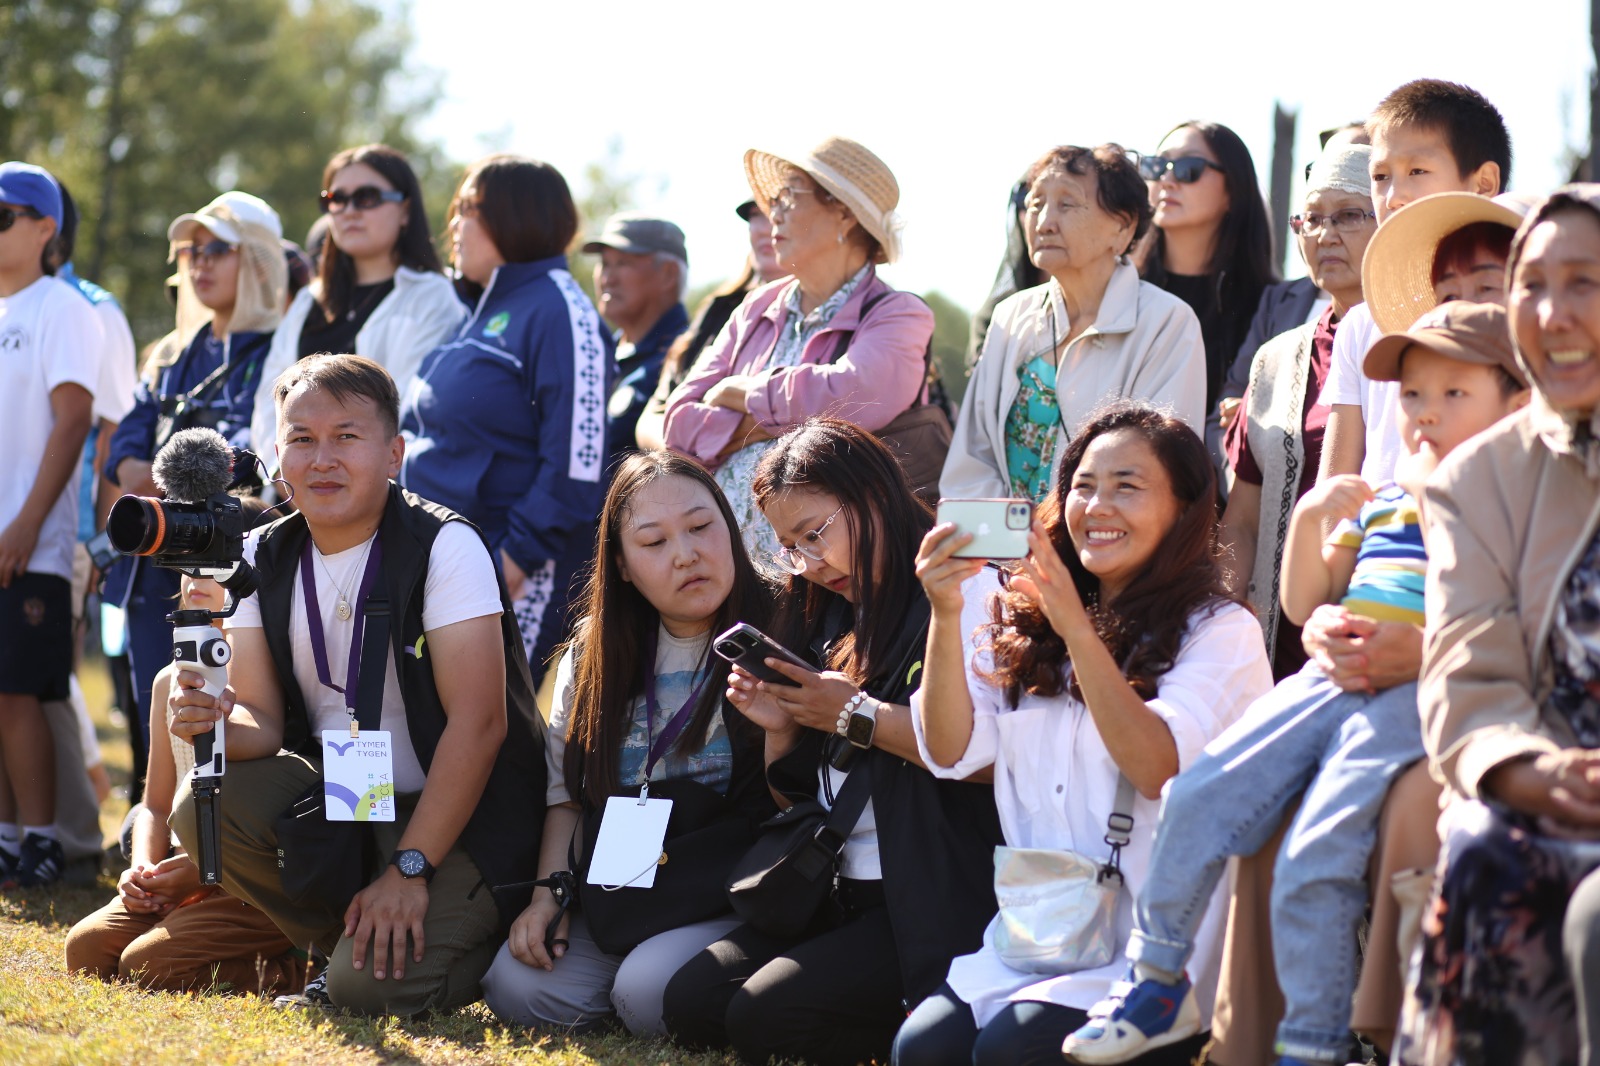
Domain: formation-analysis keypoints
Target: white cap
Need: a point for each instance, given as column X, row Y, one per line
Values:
column 220, row 215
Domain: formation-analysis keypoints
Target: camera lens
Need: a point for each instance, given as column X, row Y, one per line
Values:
column 728, row 649
column 136, row 525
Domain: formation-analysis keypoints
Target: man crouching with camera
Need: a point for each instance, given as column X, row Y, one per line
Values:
column 425, row 789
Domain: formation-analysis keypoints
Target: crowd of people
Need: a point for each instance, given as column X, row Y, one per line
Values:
column 1273, row 740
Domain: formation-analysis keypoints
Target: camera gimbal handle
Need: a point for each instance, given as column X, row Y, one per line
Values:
column 198, row 646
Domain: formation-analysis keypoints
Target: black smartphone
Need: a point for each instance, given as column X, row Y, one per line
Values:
column 748, row 648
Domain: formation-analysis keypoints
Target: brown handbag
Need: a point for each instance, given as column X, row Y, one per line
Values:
column 920, row 435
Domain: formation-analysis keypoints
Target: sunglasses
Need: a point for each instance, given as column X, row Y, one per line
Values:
column 9, row 216
column 207, row 252
column 1185, row 170
column 363, row 199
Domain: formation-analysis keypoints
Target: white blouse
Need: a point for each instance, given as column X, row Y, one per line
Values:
column 1055, row 784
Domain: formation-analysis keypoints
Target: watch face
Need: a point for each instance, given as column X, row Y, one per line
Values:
column 860, row 730
column 411, row 863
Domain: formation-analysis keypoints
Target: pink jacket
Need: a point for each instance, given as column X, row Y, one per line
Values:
column 876, row 379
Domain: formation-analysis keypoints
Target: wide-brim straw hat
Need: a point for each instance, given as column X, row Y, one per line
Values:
column 851, row 174
column 1397, row 270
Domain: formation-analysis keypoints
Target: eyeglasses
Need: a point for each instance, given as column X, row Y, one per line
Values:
column 9, row 216
column 363, row 199
column 1348, row 220
column 1185, row 170
column 808, row 545
column 207, row 252
column 784, row 200
column 466, row 209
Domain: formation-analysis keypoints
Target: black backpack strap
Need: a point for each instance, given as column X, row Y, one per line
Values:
column 374, row 659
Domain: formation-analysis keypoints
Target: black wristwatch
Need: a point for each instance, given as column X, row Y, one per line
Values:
column 412, row 863
column 863, row 724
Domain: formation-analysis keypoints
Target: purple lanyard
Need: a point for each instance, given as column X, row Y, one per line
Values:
column 319, row 644
column 675, row 727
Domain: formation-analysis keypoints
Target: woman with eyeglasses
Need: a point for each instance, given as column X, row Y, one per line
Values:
column 1094, row 331
column 1085, row 683
column 379, row 291
column 232, row 287
column 505, row 423
column 1275, row 445
column 1213, row 243
column 639, row 699
column 914, row 878
column 833, row 338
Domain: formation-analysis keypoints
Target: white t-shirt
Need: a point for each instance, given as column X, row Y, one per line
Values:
column 461, row 585
column 680, row 666
column 1379, row 400
column 49, row 336
column 119, row 370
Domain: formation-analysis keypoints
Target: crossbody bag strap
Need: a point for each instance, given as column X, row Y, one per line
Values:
column 845, row 336
column 1119, row 828
column 848, row 804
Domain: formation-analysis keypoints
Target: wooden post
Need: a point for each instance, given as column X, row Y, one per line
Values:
column 1283, row 124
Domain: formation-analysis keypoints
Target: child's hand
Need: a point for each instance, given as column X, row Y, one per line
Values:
column 1336, row 499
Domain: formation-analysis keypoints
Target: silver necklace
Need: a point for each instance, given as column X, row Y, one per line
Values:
column 342, row 608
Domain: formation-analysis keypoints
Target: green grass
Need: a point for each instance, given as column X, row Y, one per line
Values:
column 48, row 1016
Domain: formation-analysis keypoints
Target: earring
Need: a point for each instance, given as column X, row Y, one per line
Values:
column 841, row 238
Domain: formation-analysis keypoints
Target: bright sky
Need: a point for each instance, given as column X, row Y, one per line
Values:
column 958, row 98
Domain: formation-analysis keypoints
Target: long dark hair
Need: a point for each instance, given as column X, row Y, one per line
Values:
column 608, row 644
column 887, row 520
column 413, row 249
column 1144, row 626
column 1242, row 258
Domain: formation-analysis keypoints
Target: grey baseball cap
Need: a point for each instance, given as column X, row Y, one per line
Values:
column 640, row 234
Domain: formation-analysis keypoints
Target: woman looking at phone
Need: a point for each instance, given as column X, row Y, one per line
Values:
column 914, row 886
column 1117, row 651
column 670, row 572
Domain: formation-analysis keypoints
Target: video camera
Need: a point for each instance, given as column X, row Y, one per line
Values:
column 197, row 527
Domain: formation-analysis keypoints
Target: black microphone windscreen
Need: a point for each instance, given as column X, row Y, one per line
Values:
column 193, row 465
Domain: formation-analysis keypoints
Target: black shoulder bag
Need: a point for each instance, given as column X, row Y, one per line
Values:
column 323, row 863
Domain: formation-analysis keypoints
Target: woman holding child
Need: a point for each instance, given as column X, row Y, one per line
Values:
column 1507, row 694
column 639, row 699
column 1116, row 655
column 914, row 887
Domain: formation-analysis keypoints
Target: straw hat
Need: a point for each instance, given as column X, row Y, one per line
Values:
column 1397, row 271
column 854, row 176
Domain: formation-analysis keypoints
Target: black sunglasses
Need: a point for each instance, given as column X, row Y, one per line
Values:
column 209, row 251
column 363, row 199
column 9, row 216
column 1185, row 170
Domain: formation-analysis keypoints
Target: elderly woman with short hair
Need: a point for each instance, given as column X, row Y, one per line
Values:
column 1091, row 333
column 833, row 338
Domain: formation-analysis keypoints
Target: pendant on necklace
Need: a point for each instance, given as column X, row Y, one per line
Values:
column 342, row 610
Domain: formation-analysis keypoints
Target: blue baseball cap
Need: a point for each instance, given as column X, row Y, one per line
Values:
column 30, row 186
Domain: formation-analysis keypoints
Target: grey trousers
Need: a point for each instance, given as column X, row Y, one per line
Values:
column 587, row 986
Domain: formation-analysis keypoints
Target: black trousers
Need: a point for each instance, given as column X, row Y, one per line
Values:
column 832, row 996
column 941, row 1032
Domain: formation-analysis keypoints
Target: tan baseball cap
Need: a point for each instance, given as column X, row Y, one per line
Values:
column 1472, row 333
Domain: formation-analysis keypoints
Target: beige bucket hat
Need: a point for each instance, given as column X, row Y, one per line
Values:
column 852, row 174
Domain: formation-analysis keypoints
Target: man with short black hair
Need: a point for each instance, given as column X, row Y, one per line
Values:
column 639, row 283
column 458, row 735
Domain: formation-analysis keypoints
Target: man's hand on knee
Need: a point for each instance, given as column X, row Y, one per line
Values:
column 382, row 914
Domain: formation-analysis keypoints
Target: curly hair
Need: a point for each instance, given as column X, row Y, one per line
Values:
column 1144, row 626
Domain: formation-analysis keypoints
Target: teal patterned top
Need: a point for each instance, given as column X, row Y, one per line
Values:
column 1032, row 430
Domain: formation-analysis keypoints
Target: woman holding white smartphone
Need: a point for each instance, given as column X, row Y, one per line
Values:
column 849, row 527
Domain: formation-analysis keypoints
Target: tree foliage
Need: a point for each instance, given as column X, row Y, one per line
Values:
column 149, row 108
column 950, row 327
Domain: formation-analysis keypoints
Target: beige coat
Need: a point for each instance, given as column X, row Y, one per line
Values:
column 1144, row 345
column 1508, row 518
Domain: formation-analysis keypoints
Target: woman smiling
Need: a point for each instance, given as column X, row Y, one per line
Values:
column 1115, row 655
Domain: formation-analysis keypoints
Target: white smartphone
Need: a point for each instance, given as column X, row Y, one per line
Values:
column 999, row 528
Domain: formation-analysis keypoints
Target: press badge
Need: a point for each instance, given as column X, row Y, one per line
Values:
column 357, row 776
column 629, row 848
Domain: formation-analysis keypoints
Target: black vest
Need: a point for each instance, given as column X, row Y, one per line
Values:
column 502, row 836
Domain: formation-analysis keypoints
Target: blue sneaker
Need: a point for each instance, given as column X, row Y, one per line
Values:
column 1134, row 1018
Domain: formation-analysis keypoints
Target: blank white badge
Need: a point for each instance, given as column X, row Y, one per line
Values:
column 629, row 848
